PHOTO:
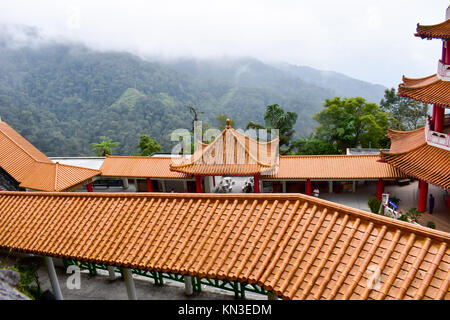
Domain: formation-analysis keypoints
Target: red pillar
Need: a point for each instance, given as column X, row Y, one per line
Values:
column 380, row 189
column 149, row 185
column 423, row 194
column 256, row 181
column 89, row 187
column 446, row 52
column 198, row 184
column 439, row 121
column 308, row 187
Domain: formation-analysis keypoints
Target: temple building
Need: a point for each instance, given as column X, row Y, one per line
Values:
column 425, row 153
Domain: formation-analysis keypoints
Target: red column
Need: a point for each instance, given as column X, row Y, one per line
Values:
column 446, row 52
column 89, row 187
column 256, row 181
column 149, row 185
column 198, row 184
column 423, row 194
column 439, row 121
column 380, row 189
column 308, row 187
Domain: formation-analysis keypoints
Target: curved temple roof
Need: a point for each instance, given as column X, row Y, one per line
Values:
column 436, row 31
column 230, row 153
column 296, row 246
column 430, row 89
column 411, row 154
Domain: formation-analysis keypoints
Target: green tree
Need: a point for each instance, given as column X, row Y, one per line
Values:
column 148, row 145
column 347, row 123
column 313, row 146
column 104, row 148
column 404, row 113
column 222, row 121
column 276, row 118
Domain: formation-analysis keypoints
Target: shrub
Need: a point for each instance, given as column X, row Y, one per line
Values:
column 374, row 204
column 414, row 214
column 403, row 217
column 430, row 224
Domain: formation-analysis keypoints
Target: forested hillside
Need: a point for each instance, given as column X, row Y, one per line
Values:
column 63, row 97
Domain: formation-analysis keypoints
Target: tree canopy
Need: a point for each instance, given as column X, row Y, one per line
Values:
column 351, row 122
column 404, row 113
column 104, row 148
column 148, row 145
column 276, row 118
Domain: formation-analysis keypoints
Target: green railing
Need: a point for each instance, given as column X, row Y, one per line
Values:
column 239, row 288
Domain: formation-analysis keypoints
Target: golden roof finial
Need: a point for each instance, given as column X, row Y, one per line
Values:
column 228, row 123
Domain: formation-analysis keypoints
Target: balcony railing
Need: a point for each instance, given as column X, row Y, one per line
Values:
column 443, row 71
column 437, row 139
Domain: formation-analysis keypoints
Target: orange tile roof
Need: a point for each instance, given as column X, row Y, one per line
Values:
column 231, row 153
column 428, row 90
column 17, row 155
column 27, row 165
column 56, row 177
column 411, row 154
column 139, row 167
column 296, row 246
column 437, row 31
column 428, row 163
column 334, row 167
column 403, row 141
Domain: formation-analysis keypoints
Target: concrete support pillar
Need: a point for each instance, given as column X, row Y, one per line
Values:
column 354, row 186
column 283, row 186
column 198, row 184
column 188, row 288
column 439, row 121
column 330, row 186
column 129, row 282
column 256, row 182
column 89, row 187
column 423, row 196
column 125, row 183
column 136, row 184
column 112, row 273
column 380, row 189
column 308, row 187
column 53, row 278
column 149, row 185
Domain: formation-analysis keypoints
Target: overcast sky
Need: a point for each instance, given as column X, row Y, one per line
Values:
column 366, row 39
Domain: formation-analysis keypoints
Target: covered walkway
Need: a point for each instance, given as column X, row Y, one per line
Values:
column 295, row 246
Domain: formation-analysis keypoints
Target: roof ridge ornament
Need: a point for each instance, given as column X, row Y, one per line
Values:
column 228, row 124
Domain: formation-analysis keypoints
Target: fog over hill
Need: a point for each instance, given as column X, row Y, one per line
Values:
column 62, row 95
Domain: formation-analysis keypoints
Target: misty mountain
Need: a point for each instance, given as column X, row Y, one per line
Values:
column 64, row 96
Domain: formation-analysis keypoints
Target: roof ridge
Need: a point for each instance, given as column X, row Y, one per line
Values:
column 18, row 145
column 358, row 213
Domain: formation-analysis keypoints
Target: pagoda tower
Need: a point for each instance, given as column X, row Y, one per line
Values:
column 425, row 153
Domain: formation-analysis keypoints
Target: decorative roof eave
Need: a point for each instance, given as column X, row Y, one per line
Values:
column 431, row 90
column 425, row 162
column 436, row 31
column 244, row 162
